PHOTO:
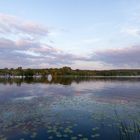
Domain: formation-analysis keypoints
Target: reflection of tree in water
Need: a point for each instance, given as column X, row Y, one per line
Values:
column 62, row 80
column 55, row 80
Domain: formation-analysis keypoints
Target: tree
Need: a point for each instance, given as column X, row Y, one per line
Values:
column 29, row 72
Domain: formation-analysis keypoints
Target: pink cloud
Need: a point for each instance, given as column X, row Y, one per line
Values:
column 13, row 25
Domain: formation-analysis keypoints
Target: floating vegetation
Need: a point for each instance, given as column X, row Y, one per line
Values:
column 67, row 117
column 80, row 135
column 50, row 137
column 84, row 139
column 73, row 138
column 95, row 135
column 33, row 135
column 95, row 128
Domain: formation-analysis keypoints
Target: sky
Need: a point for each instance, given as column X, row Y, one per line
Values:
column 81, row 34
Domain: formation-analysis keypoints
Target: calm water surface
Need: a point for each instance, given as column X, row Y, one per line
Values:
column 66, row 108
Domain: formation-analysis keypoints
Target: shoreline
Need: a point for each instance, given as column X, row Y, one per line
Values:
column 69, row 76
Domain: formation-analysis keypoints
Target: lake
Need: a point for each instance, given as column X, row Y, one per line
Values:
column 70, row 109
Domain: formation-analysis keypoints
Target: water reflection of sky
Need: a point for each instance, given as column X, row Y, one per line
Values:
column 31, row 106
column 108, row 91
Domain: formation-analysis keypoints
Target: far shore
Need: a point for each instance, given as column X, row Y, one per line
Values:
column 67, row 76
column 67, row 72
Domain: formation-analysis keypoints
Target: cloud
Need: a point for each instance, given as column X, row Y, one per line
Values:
column 20, row 45
column 12, row 25
column 131, row 31
column 122, row 57
column 29, row 53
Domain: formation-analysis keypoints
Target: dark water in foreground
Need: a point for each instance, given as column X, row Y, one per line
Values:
column 75, row 109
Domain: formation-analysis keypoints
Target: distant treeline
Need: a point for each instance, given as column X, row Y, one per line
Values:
column 66, row 71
